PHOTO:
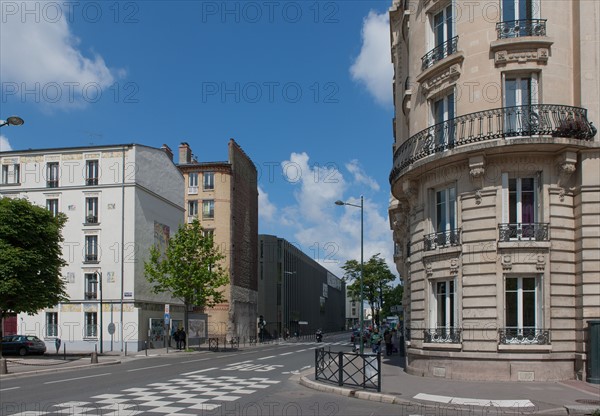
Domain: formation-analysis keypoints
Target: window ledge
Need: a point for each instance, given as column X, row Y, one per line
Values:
column 91, row 262
column 520, row 50
column 91, row 223
column 442, row 74
column 524, row 245
column 447, row 346
column 11, row 184
column 444, row 250
column 524, row 348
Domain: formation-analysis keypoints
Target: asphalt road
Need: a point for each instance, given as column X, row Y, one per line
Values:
column 259, row 381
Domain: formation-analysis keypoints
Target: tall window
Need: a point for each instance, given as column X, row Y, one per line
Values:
column 51, row 324
column 208, row 181
column 91, row 286
column 520, row 206
column 52, row 206
column 192, row 208
column 522, row 303
column 91, row 248
column 193, row 183
column 91, row 324
column 209, row 233
column 443, row 119
column 443, row 26
column 520, row 96
column 91, row 172
column 11, row 174
column 91, row 210
column 444, row 305
column 517, row 10
column 445, row 216
column 208, row 209
column 52, row 175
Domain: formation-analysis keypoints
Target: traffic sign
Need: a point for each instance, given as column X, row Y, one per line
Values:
column 167, row 318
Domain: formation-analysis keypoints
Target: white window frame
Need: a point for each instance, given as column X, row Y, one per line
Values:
column 448, row 24
column 534, row 10
column 52, row 206
column 538, row 302
column 90, row 320
column 193, row 208
column 208, row 181
column 506, row 202
column 91, row 172
column 91, row 210
column 90, row 281
column 445, row 136
column 52, row 174
column 451, row 222
column 91, row 248
column 51, row 330
column 208, row 209
column 11, row 174
column 450, row 304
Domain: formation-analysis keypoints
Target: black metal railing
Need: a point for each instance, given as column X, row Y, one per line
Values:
column 91, row 181
column 91, row 219
column 91, row 331
column 442, row 335
column 52, row 183
column 438, row 53
column 524, row 336
column 348, row 369
column 91, row 295
column 443, row 239
column 522, row 27
column 499, row 123
column 536, row 231
column 91, row 257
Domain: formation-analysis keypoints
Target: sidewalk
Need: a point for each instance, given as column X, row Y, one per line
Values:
column 427, row 395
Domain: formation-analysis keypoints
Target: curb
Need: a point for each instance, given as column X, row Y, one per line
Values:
column 55, row 370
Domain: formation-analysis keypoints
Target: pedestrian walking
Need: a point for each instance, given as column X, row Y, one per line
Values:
column 389, row 346
column 177, row 338
column 182, row 336
column 375, row 341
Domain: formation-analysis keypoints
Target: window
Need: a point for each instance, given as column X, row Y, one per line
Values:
column 209, row 181
column 443, row 313
column 91, row 248
column 52, row 206
column 91, row 210
column 192, row 208
column 517, row 10
column 91, row 286
column 522, row 303
column 91, row 324
column 443, row 27
column 51, row 324
column 443, row 119
column 193, row 183
column 91, row 172
column 11, row 174
column 208, row 209
column 52, row 174
column 520, row 216
column 209, row 233
column 444, row 219
column 520, row 97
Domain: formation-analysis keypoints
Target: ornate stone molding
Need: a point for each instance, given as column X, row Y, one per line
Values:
column 440, row 81
column 541, row 262
column 567, row 165
column 428, row 268
column 504, row 57
column 506, row 262
column 521, row 50
column 454, row 266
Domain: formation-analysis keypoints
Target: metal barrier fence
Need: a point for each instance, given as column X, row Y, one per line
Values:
column 348, row 369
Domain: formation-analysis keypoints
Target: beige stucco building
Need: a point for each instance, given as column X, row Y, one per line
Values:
column 496, row 185
column 224, row 197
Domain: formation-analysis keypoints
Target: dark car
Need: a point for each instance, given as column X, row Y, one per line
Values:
column 22, row 345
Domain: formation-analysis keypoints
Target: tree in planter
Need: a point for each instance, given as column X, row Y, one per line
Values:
column 190, row 268
column 30, row 258
column 376, row 279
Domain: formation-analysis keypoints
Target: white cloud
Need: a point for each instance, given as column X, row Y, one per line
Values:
column 360, row 177
column 4, row 144
column 266, row 210
column 373, row 66
column 43, row 56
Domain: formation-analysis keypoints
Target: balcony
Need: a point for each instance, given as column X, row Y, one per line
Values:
column 499, row 123
column 52, row 183
column 442, row 335
column 91, row 295
column 91, row 219
column 91, row 181
column 520, row 28
column 438, row 53
column 523, row 232
column 443, row 239
column 524, row 336
column 90, row 258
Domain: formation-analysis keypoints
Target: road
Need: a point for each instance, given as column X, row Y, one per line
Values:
column 257, row 381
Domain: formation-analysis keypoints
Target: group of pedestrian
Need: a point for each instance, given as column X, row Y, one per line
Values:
column 179, row 337
column 388, row 339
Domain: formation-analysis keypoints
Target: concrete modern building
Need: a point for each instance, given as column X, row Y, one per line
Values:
column 496, row 185
column 295, row 292
column 119, row 200
column 224, row 197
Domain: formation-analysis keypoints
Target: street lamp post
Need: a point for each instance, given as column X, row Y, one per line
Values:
column 362, row 312
column 12, row 121
column 99, row 280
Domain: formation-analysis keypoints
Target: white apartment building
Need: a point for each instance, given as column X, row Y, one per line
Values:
column 120, row 200
column 496, row 185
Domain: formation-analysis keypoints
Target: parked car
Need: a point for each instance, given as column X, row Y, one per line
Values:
column 22, row 345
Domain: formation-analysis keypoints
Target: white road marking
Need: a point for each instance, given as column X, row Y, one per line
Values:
column 199, row 371
column 193, row 361
column 474, row 402
column 147, row 368
column 77, row 378
column 265, row 358
column 10, row 388
column 287, row 353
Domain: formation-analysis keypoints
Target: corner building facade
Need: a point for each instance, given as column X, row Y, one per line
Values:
column 496, row 185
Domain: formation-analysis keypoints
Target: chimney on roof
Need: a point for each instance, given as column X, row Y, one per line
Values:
column 185, row 153
column 168, row 151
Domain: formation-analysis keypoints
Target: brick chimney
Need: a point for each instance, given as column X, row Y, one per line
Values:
column 168, row 151
column 185, row 153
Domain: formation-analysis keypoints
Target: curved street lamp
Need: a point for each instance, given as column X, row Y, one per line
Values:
column 362, row 318
column 12, row 121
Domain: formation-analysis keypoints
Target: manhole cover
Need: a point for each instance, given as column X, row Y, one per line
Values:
column 588, row 401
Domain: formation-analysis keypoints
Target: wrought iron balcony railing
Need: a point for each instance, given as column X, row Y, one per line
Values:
column 524, row 336
column 536, row 231
column 523, row 27
column 91, row 295
column 439, row 52
column 499, row 123
column 442, row 335
column 445, row 238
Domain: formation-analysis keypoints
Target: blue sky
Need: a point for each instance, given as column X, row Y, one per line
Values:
column 303, row 86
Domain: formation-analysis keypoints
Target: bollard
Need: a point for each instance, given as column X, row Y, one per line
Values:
column 125, row 349
column 3, row 366
column 94, row 358
column 146, row 347
column 65, row 352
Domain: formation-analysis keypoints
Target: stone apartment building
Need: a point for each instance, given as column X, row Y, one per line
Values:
column 119, row 200
column 224, row 197
column 495, row 206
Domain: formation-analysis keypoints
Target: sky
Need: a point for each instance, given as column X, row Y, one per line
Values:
column 304, row 87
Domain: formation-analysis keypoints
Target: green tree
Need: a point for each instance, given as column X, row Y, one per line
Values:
column 392, row 297
column 190, row 269
column 30, row 257
column 376, row 280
